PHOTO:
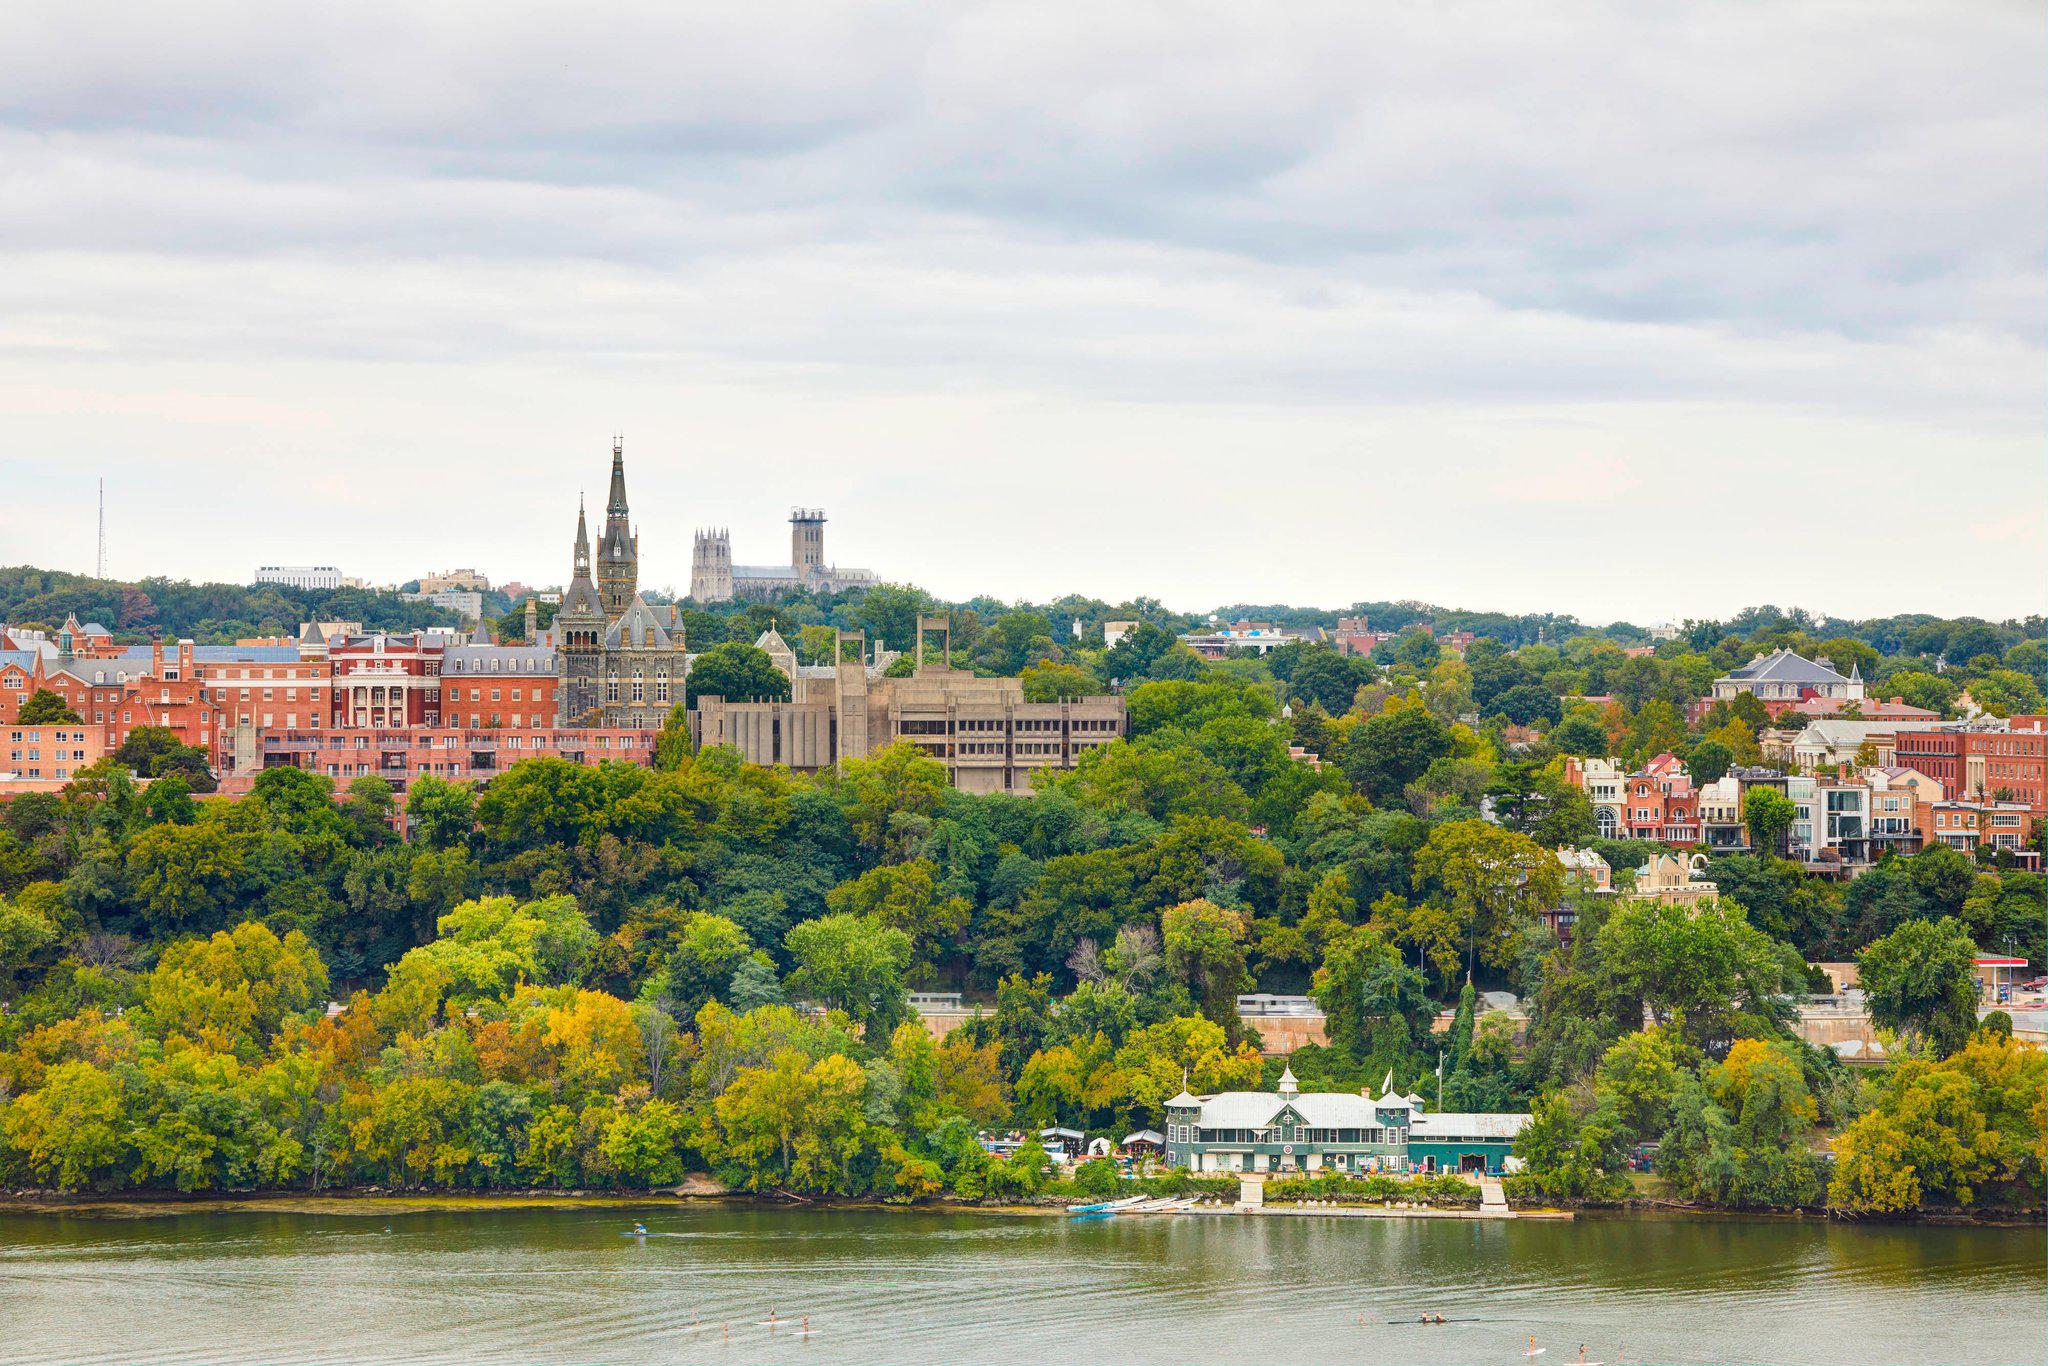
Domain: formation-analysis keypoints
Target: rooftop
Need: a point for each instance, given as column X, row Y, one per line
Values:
column 1782, row 666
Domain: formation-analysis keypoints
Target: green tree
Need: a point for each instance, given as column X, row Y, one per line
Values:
column 644, row 1145
column 1393, row 749
column 907, row 896
column 737, row 673
column 1637, row 1077
column 707, row 951
column 1704, row 967
column 70, row 1130
column 790, row 1124
column 156, row 752
column 673, row 745
column 1768, row 814
column 888, row 612
column 1375, row 1004
column 439, row 814
column 1571, row 1147
column 45, row 708
column 235, row 989
column 1920, row 979
column 1205, row 947
column 855, row 964
column 1709, row 760
column 889, row 797
column 184, row 876
column 1495, row 880
column 1053, row 682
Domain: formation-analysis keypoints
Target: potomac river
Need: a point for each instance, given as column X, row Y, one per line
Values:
column 563, row 1284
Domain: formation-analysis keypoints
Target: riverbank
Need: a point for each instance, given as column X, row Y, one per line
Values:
column 371, row 1202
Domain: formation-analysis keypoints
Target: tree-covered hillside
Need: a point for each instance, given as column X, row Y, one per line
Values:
column 209, row 613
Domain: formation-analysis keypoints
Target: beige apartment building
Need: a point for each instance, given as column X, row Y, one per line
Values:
column 989, row 738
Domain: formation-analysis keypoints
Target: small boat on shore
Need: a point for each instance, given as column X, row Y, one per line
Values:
column 1107, row 1209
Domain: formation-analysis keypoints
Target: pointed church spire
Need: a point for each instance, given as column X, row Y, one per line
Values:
column 615, row 504
column 582, row 539
column 618, row 550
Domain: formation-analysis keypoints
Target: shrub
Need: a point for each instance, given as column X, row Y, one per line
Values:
column 1098, row 1177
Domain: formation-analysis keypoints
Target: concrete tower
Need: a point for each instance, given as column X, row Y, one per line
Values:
column 807, row 543
column 618, row 554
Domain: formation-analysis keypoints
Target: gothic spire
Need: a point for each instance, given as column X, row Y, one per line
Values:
column 615, row 504
column 582, row 539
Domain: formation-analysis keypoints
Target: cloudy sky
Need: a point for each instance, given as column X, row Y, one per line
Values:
column 1624, row 310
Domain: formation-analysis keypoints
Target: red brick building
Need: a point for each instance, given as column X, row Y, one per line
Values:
column 1981, row 763
column 53, row 752
column 457, row 754
column 157, row 689
column 1966, row 825
column 383, row 681
column 1662, row 806
column 18, row 673
column 498, row 685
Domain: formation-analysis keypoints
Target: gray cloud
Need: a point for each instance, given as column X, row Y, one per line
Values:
column 1810, row 218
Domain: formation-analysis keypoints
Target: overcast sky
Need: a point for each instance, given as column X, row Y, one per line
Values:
column 1631, row 311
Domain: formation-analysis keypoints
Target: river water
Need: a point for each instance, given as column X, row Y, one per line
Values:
column 564, row 1285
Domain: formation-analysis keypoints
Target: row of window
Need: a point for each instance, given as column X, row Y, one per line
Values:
column 1282, row 1133
column 638, row 690
column 477, row 694
column 509, row 741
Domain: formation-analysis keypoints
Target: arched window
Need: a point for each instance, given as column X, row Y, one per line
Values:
column 1604, row 821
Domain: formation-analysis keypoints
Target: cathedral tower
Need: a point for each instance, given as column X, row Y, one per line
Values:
column 711, row 567
column 618, row 554
column 807, row 544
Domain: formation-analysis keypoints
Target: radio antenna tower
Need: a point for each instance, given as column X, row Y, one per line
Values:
column 99, row 565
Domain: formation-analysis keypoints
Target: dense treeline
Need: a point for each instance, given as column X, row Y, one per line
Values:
column 605, row 975
column 1524, row 668
column 208, row 613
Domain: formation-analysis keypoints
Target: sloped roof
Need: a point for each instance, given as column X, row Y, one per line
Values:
column 1782, row 666
column 1872, row 709
column 1833, row 730
column 1494, row 1128
column 581, row 599
column 209, row 654
column 637, row 628
column 1256, row 1109
column 468, row 660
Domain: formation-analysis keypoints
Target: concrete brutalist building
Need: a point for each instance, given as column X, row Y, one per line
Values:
column 989, row 738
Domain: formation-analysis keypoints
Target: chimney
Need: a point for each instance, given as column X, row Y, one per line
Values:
column 156, row 656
